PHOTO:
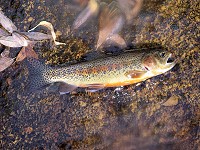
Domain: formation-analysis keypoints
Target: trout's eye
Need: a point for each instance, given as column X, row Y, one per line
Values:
column 162, row 54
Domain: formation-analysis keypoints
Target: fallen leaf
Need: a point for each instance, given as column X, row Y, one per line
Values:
column 5, row 62
column 22, row 55
column 20, row 39
column 13, row 41
column 10, row 41
column 3, row 32
column 49, row 26
column 7, row 23
column 37, row 36
column 172, row 101
column 31, row 53
column 5, row 53
column 111, row 22
column 26, row 52
column 16, row 40
column 130, row 8
column 91, row 10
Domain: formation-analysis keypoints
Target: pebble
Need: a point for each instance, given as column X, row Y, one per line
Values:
column 30, row 19
column 172, row 101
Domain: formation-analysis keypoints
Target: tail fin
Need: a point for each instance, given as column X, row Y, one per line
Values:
column 38, row 74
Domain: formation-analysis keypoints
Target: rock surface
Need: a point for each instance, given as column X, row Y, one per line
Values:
column 129, row 118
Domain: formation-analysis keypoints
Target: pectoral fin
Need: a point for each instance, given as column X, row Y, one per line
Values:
column 65, row 88
column 94, row 87
column 135, row 74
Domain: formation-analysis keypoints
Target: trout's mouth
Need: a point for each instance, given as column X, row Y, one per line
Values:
column 170, row 61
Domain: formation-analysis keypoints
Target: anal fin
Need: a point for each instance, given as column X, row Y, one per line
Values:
column 94, row 87
column 65, row 88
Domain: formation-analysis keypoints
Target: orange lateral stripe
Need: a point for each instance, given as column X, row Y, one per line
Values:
column 116, row 84
column 124, row 83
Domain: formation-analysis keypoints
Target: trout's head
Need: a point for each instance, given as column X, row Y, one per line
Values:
column 158, row 62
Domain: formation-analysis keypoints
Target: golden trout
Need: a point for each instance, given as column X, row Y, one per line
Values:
column 112, row 71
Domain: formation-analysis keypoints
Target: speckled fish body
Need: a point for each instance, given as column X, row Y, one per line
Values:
column 112, row 71
column 109, row 71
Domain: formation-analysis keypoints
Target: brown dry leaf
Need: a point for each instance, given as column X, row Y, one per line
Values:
column 130, row 8
column 111, row 22
column 3, row 32
column 172, row 101
column 37, row 36
column 7, row 23
column 87, row 13
column 49, row 26
column 5, row 62
column 22, row 55
column 10, row 41
column 136, row 9
column 31, row 53
column 26, row 52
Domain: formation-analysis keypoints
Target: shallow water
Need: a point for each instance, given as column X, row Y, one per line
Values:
column 129, row 118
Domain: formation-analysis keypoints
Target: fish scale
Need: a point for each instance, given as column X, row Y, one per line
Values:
column 100, row 76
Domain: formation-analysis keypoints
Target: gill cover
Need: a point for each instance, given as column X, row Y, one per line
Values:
column 158, row 62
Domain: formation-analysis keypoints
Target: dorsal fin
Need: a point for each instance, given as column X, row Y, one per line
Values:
column 65, row 88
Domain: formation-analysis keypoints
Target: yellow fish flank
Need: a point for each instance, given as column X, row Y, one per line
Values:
column 127, row 68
